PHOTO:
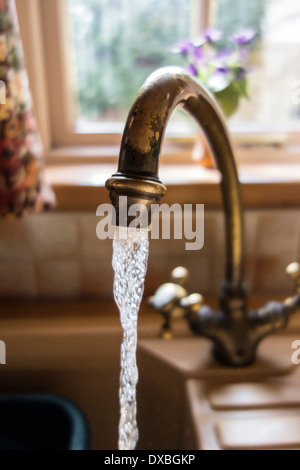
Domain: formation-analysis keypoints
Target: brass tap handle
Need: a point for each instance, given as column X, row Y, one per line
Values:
column 179, row 275
column 193, row 302
column 293, row 271
column 172, row 301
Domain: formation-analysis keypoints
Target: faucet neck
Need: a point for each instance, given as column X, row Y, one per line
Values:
column 141, row 144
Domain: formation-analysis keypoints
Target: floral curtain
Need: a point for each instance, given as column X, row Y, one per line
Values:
column 22, row 188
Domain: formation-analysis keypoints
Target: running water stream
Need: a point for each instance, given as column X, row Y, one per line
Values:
column 130, row 256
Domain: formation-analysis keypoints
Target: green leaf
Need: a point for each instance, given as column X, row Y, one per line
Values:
column 228, row 99
column 242, row 87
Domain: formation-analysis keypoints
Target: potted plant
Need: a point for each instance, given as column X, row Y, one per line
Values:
column 221, row 64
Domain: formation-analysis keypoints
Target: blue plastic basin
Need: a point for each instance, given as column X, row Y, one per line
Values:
column 42, row 422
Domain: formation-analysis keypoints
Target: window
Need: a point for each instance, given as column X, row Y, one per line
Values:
column 115, row 45
column 97, row 53
column 275, row 60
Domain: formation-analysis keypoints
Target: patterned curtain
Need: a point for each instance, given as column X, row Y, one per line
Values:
column 22, row 188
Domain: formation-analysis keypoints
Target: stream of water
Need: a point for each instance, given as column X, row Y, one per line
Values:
column 130, row 257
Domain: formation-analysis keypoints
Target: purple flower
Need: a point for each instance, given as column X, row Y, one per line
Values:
column 218, row 81
column 223, row 69
column 244, row 53
column 198, row 52
column 199, row 41
column 223, row 54
column 213, row 35
column 222, row 61
column 244, row 36
column 192, row 70
column 183, row 47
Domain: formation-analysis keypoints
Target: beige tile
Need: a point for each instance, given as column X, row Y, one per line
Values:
column 166, row 223
column 54, row 236
column 167, row 254
column 251, row 223
column 217, row 254
column 158, row 273
column 214, row 230
column 199, row 268
column 17, row 279
column 199, row 262
column 216, row 233
column 270, row 277
column 176, row 248
column 179, row 247
column 59, row 279
column 90, row 245
column 217, row 272
column 251, row 227
column 97, row 278
column 278, row 234
column 249, row 273
column 14, row 240
column 276, row 247
column 162, row 247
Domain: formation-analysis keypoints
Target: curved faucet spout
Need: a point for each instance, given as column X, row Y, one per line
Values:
column 137, row 175
column 235, row 331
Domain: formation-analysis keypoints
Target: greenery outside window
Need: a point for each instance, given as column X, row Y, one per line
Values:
column 93, row 55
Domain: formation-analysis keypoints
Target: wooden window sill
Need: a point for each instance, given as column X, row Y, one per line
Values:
column 277, row 185
column 73, row 314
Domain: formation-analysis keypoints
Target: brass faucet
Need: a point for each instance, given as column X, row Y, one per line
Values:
column 235, row 331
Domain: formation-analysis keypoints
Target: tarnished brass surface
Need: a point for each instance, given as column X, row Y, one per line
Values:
column 141, row 144
column 234, row 331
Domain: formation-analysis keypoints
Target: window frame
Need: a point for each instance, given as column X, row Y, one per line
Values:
column 41, row 23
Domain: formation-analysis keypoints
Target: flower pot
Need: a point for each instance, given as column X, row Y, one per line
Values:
column 202, row 153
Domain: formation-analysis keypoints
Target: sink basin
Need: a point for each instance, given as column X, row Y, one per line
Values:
column 41, row 422
column 185, row 399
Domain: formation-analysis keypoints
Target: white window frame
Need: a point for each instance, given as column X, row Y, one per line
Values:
column 41, row 23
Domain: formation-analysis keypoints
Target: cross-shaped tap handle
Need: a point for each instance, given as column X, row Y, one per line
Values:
column 293, row 271
column 179, row 275
column 192, row 301
column 172, row 300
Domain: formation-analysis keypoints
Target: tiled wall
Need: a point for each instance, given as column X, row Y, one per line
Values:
column 58, row 255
